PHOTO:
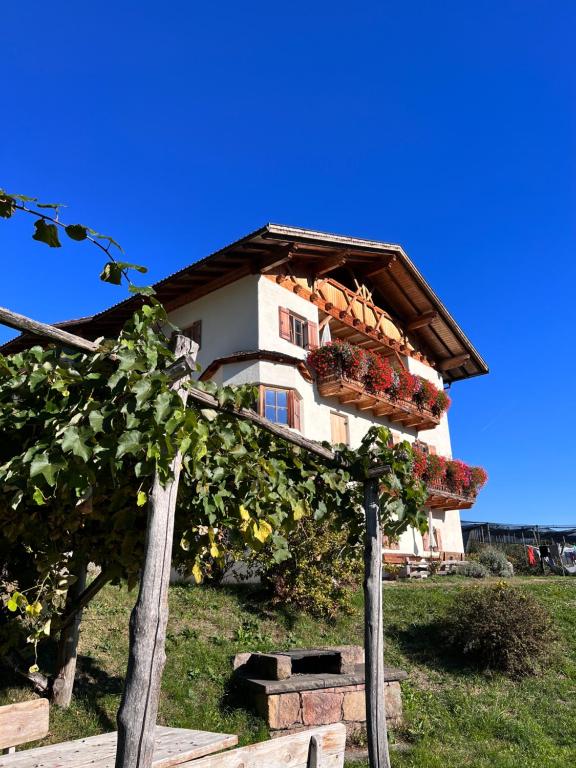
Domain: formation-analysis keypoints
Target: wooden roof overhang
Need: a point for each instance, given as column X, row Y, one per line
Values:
column 386, row 267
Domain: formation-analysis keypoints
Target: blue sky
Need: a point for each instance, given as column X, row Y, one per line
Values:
column 445, row 126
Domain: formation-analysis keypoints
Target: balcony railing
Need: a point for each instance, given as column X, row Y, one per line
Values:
column 354, row 393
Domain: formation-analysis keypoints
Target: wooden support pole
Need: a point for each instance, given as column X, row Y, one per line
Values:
column 139, row 706
column 374, row 630
column 63, row 685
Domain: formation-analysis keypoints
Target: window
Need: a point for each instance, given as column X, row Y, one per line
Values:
column 282, row 406
column 194, row 332
column 298, row 330
column 339, row 427
column 276, row 405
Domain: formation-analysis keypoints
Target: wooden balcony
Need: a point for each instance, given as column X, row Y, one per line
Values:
column 441, row 496
column 350, row 392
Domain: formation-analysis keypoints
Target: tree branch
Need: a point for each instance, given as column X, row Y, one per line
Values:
column 84, row 598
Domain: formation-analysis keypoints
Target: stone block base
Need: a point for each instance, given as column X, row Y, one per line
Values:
column 293, row 711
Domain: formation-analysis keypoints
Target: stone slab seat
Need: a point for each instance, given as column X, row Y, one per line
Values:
column 305, row 682
column 322, row 747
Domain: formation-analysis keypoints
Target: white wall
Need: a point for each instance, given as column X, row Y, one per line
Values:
column 229, row 319
column 440, row 435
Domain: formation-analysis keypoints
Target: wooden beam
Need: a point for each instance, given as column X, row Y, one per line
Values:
column 329, row 263
column 453, row 362
column 347, row 399
column 422, row 321
column 278, row 257
column 382, row 267
column 27, row 325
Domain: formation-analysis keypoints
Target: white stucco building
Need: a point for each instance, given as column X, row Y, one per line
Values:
column 258, row 307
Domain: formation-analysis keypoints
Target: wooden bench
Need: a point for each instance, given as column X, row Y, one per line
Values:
column 321, row 747
column 21, row 723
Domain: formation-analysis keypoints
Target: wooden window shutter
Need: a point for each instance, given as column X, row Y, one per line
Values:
column 426, row 541
column 294, row 410
column 196, row 334
column 313, row 339
column 284, row 317
column 339, row 428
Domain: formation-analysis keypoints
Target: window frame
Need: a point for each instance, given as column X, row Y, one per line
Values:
column 303, row 322
column 287, row 329
column 293, row 401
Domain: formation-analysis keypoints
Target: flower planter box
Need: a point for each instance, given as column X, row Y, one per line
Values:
column 351, row 392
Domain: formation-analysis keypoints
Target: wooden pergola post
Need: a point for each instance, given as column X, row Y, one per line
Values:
column 374, row 630
column 146, row 658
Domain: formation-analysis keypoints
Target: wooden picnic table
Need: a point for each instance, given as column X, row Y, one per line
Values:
column 172, row 747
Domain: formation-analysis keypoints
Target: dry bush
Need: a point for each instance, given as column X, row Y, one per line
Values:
column 499, row 628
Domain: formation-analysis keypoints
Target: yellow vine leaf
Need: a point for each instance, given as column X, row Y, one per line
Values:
column 197, row 573
column 262, row 530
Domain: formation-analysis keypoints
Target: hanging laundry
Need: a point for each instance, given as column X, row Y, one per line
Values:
column 533, row 556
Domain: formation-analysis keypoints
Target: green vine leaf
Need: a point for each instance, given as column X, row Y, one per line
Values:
column 41, row 465
column 46, row 233
column 54, row 206
column 137, row 267
column 111, row 273
column 110, row 240
column 76, row 232
column 7, row 206
column 145, row 290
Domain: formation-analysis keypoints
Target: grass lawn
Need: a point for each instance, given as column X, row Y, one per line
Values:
column 452, row 716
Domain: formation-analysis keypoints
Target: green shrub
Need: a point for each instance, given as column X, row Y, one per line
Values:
column 322, row 574
column 499, row 628
column 496, row 562
column 515, row 554
column 474, row 570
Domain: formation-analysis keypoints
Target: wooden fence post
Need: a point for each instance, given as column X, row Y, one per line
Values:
column 374, row 631
column 139, row 706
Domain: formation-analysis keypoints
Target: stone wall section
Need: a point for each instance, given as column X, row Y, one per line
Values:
column 289, row 712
